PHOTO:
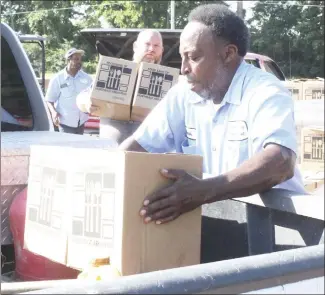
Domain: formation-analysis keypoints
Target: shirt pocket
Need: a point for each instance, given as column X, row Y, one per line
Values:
column 189, row 146
column 67, row 92
column 237, row 153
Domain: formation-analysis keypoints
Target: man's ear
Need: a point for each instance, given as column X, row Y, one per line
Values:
column 231, row 52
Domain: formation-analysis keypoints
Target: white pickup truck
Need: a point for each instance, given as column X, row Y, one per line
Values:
column 272, row 242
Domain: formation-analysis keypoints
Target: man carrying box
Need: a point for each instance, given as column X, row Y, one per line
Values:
column 239, row 118
column 148, row 48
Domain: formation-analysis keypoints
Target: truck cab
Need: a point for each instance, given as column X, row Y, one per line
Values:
column 22, row 104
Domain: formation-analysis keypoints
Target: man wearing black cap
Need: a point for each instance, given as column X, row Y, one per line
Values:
column 62, row 92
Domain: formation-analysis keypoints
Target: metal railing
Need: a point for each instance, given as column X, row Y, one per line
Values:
column 224, row 277
column 296, row 269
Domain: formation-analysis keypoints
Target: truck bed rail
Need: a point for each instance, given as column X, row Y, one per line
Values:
column 234, row 276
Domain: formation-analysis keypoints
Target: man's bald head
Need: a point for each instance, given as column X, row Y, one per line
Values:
column 148, row 47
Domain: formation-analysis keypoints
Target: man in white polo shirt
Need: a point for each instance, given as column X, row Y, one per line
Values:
column 239, row 118
column 62, row 92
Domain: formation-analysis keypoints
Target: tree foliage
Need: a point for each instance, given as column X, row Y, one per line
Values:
column 293, row 35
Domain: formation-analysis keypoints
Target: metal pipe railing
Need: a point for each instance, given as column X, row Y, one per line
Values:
column 229, row 276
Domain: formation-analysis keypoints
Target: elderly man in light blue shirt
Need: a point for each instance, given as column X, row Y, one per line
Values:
column 62, row 92
column 239, row 118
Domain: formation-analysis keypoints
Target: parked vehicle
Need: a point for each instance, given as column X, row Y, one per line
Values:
column 233, row 231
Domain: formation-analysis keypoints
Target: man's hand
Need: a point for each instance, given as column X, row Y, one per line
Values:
column 55, row 117
column 185, row 194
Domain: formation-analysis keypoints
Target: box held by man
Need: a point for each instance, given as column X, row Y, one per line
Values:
column 153, row 82
column 113, row 87
column 84, row 204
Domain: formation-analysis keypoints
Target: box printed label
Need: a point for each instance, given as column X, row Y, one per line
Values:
column 314, row 148
column 114, row 78
column 154, row 84
column 47, row 210
column 93, row 220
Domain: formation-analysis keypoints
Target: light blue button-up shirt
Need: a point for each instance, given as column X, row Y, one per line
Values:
column 63, row 90
column 256, row 110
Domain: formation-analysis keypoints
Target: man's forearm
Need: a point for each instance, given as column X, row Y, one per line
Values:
column 260, row 173
column 51, row 106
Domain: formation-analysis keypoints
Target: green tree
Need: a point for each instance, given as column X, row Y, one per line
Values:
column 145, row 14
column 292, row 34
column 51, row 19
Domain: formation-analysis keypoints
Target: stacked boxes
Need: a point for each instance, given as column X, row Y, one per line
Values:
column 84, row 204
column 125, row 90
column 312, row 151
column 296, row 89
column 306, row 89
column 313, row 89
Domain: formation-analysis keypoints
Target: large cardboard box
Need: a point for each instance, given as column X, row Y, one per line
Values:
column 313, row 89
column 152, row 85
column 84, row 204
column 296, row 88
column 312, row 149
column 113, row 87
column 15, row 154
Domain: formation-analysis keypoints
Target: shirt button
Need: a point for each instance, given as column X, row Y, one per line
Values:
column 214, row 149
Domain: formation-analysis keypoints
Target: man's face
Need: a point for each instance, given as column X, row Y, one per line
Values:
column 202, row 63
column 75, row 61
column 148, row 48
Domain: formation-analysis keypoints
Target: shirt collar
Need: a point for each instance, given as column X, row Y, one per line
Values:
column 234, row 93
column 66, row 75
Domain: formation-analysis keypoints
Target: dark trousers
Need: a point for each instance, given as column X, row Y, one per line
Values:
column 74, row 130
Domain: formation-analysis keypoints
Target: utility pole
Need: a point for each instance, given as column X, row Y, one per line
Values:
column 172, row 14
column 240, row 9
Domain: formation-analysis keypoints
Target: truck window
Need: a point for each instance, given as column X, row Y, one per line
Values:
column 253, row 62
column 16, row 112
column 272, row 68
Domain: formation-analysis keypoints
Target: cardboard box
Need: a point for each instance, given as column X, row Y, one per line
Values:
column 313, row 89
column 15, row 154
column 84, row 204
column 313, row 180
column 152, row 85
column 113, row 87
column 296, row 88
column 312, row 149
